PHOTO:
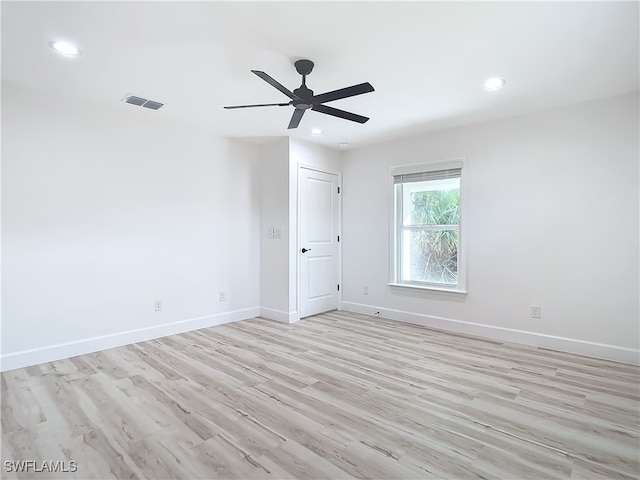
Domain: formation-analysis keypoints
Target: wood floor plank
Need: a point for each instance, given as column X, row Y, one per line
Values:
column 337, row 395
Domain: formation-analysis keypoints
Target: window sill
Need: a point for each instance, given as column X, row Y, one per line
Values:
column 429, row 288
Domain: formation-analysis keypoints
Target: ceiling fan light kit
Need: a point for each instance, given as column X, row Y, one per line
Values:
column 303, row 99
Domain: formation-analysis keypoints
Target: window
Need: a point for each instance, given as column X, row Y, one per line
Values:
column 426, row 227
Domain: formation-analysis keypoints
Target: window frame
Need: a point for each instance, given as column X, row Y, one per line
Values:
column 396, row 228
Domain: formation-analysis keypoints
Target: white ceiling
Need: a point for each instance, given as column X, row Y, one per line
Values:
column 426, row 60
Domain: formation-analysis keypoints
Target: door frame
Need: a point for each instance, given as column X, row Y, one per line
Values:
column 329, row 171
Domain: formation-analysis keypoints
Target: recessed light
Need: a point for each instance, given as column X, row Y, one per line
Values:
column 494, row 83
column 65, row 48
column 316, row 131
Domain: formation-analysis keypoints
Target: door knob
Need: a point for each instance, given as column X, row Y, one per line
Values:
column 305, row 250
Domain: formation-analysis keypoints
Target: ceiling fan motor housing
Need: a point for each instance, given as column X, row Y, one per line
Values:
column 306, row 98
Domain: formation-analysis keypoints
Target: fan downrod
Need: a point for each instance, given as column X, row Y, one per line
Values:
column 304, row 67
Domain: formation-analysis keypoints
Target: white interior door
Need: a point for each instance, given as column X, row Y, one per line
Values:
column 318, row 253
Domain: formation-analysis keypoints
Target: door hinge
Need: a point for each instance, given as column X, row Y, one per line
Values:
column 338, row 287
column 338, row 238
column 338, row 189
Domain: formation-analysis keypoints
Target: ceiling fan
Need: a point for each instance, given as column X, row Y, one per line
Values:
column 303, row 99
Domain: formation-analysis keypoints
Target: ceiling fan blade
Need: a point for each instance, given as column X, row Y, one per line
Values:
column 351, row 91
column 259, row 105
column 296, row 117
column 276, row 84
column 339, row 113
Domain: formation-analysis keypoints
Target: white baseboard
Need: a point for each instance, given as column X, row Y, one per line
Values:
column 571, row 345
column 61, row 351
column 279, row 315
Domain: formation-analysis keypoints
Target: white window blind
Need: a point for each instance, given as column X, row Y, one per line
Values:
column 426, row 176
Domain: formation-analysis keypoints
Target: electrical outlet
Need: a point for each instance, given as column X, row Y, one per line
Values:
column 535, row 311
column 157, row 305
column 365, row 290
column 222, row 296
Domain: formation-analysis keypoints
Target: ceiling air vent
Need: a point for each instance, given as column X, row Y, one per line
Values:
column 142, row 102
column 152, row 105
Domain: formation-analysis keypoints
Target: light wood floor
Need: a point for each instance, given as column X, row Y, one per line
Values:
column 334, row 396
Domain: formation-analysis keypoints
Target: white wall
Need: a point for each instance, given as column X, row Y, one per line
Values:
column 106, row 211
column 272, row 169
column 312, row 155
column 552, row 221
